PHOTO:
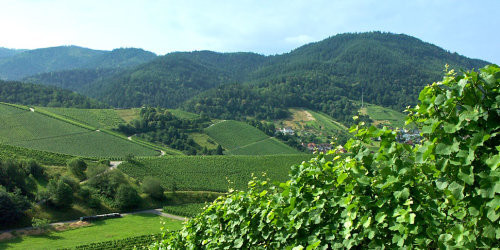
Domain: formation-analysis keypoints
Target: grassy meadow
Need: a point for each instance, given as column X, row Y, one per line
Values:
column 105, row 230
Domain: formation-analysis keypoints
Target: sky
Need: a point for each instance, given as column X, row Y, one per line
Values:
column 266, row 27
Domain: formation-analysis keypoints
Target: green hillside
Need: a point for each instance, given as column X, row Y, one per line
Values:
column 212, row 173
column 23, row 128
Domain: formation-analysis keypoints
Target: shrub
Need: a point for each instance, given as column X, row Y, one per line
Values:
column 152, row 187
column 77, row 166
column 61, row 194
column 127, row 197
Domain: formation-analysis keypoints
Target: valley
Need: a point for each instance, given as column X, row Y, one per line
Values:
column 240, row 142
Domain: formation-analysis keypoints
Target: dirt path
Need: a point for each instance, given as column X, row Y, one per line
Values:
column 114, row 164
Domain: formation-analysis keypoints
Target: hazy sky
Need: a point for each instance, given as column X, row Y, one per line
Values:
column 470, row 28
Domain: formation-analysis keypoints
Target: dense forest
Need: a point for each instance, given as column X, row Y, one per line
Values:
column 37, row 95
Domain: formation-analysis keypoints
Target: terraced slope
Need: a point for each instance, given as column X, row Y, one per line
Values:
column 31, row 129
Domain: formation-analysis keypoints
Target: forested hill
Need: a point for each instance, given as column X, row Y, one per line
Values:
column 37, row 95
column 332, row 75
column 172, row 79
column 30, row 62
column 329, row 76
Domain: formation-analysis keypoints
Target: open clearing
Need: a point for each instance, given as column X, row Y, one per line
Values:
column 105, row 230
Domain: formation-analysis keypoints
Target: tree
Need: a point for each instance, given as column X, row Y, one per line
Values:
column 127, row 197
column 61, row 194
column 219, row 150
column 441, row 193
column 77, row 166
column 152, row 186
column 9, row 211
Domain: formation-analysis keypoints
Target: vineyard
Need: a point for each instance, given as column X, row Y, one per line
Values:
column 239, row 138
column 186, row 210
column 33, row 130
column 135, row 242
column 233, row 134
column 211, row 173
column 269, row 146
column 98, row 118
column 43, row 157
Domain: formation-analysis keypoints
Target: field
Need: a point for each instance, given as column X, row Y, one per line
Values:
column 384, row 116
column 212, row 173
column 34, row 130
column 239, row 138
column 269, row 146
column 98, row 118
column 111, row 229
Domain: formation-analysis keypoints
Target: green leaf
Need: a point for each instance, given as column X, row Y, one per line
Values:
column 466, row 174
column 341, row 178
column 493, row 162
column 443, row 149
column 457, row 190
column 380, row 217
column 492, row 215
column 441, row 184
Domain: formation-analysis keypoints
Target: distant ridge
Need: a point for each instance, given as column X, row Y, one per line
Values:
column 20, row 64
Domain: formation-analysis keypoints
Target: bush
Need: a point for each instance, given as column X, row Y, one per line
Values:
column 443, row 193
column 61, row 194
column 152, row 187
column 33, row 168
column 77, row 166
column 43, row 224
column 127, row 197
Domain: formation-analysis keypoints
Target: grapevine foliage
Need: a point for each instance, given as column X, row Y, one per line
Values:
column 442, row 193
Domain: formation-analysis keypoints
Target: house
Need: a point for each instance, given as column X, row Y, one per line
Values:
column 286, row 131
